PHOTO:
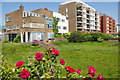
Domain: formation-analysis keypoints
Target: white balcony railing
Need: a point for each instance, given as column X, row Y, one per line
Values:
column 34, row 25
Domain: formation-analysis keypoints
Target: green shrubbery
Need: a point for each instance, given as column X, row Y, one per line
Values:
column 6, row 41
column 58, row 36
column 66, row 35
column 76, row 36
column 17, row 39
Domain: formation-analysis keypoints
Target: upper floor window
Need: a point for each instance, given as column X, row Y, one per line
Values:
column 107, row 21
column 8, row 28
column 58, row 27
column 49, row 26
column 58, row 19
column 9, row 19
column 63, row 20
column 17, row 26
column 14, row 27
column 107, row 31
column 64, row 27
column 107, row 18
column 43, row 16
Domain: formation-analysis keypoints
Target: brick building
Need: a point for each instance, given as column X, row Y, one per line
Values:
column 81, row 16
column 107, row 24
column 34, row 25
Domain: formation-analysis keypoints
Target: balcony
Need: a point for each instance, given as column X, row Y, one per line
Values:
column 79, row 21
column 79, row 8
column 34, row 25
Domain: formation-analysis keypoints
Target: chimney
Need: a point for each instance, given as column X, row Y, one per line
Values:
column 45, row 8
column 22, row 7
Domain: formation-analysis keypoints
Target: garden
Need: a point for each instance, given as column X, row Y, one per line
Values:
column 76, row 55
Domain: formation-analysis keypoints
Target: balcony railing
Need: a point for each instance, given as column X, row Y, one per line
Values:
column 34, row 25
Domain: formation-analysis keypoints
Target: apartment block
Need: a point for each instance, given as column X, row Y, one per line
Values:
column 62, row 23
column 33, row 25
column 107, row 24
column 81, row 17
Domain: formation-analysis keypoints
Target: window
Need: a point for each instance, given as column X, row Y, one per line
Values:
column 107, row 18
column 49, row 26
column 107, row 31
column 50, row 35
column 8, row 28
column 36, row 15
column 43, row 16
column 64, row 27
column 107, row 28
column 63, row 20
column 58, row 19
column 107, row 21
column 14, row 27
column 17, row 26
column 9, row 19
column 58, row 27
column 107, row 24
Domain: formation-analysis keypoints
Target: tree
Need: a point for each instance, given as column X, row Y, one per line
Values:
column 55, row 23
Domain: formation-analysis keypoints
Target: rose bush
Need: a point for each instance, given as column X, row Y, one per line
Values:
column 44, row 65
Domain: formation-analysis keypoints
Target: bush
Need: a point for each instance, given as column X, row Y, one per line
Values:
column 106, row 36
column 58, row 36
column 6, row 41
column 76, row 36
column 89, row 37
column 66, row 35
column 119, row 33
column 100, row 39
column 17, row 39
column 36, row 42
column 95, row 36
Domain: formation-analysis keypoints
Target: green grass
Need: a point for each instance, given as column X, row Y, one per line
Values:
column 101, row 55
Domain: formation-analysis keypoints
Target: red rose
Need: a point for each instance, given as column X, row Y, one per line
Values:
column 99, row 77
column 24, row 73
column 79, row 71
column 71, row 70
column 19, row 64
column 54, row 51
column 91, row 71
column 62, row 61
column 38, row 56
column 52, row 70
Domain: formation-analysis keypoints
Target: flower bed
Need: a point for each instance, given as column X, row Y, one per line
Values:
column 44, row 65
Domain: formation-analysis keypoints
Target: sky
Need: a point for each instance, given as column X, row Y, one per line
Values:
column 109, row 8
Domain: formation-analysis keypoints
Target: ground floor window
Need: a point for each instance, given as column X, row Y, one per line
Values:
column 50, row 35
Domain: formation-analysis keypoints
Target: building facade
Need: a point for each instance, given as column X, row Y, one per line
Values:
column 117, row 28
column 81, row 16
column 33, row 25
column 62, row 23
column 107, row 24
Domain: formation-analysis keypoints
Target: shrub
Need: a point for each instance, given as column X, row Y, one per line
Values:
column 89, row 37
column 36, row 42
column 58, row 36
column 119, row 33
column 66, row 35
column 106, row 36
column 100, row 39
column 76, row 36
column 6, row 41
column 17, row 39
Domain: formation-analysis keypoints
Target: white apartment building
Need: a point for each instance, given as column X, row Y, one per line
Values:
column 62, row 23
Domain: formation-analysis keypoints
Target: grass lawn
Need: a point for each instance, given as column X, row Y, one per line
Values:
column 101, row 55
